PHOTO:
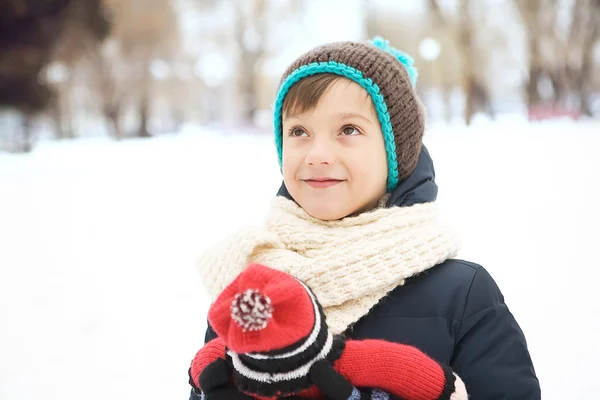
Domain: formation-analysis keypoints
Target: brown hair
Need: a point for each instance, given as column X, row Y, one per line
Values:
column 306, row 93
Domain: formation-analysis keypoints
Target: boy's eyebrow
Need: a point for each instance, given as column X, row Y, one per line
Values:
column 348, row 115
column 354, row 115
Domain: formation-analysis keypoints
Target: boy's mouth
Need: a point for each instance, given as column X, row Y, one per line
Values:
column 320, row 183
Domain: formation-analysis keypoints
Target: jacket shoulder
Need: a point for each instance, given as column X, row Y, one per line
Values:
column 452, row 289
column 455, row 272
column 483, row 292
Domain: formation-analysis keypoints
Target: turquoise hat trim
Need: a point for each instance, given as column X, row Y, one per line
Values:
column 355, row 75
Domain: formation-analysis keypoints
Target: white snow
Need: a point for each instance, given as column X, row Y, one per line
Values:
column 99, row 298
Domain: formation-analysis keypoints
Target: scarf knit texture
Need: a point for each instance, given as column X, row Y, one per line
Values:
column 350, row 264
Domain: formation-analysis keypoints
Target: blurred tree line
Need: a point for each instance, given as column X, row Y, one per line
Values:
column 29, row 40
column 137, row 68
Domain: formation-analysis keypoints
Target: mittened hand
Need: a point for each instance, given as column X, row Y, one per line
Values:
column 215, row 381
column 330, row 382
column 401, row 370
column 211, row 374
column 335, row 387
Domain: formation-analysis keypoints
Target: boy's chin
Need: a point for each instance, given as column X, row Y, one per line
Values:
column 326, row 212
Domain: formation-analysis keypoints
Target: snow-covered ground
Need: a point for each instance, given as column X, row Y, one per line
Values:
column 99, row 298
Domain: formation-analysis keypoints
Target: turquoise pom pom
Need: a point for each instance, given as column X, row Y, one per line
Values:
column 404, row 58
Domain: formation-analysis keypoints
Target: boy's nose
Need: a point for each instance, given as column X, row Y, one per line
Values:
column 321, row 152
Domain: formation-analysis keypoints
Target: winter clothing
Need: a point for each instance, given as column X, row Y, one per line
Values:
column 387, row 274
column 454, row 312
column 388, row 75
column 350, row 264
column 274, row 340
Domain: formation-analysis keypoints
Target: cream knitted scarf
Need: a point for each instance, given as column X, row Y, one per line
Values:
column 350, row 264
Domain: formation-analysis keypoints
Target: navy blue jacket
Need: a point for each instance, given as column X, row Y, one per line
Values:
column 455, row 313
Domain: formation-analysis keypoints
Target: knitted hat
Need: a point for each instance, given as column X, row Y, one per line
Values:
column 274, row 329
column 388, row 75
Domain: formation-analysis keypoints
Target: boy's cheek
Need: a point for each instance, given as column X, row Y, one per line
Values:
column 289, row 176
column 291, row 162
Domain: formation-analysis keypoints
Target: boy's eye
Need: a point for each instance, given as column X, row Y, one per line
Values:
column 350, row 131
column 297, row 132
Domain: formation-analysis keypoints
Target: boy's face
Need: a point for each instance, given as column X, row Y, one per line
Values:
column 334, row 159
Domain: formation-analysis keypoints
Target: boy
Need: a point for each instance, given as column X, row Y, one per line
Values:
column 355, row 219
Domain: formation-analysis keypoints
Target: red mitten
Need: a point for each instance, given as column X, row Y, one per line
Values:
column 401, row 370
column 211, row 352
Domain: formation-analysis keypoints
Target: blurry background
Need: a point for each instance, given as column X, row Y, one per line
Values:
column 137, row 68
column 135, row 133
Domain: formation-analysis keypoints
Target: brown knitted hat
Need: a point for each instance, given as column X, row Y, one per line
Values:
column 388, row 75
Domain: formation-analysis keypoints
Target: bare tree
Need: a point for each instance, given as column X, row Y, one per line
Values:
column 109, row 80
column 250, row 36
column 30, row 37
column 440, row 22
column 144, row 31
column 466, row 48
column 587, row 65
column 477, row 97
column 84, row 29
column 530, row 13
column 569, row 63
column 463, row 29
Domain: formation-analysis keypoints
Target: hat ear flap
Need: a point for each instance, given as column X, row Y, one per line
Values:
column 401, row 56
